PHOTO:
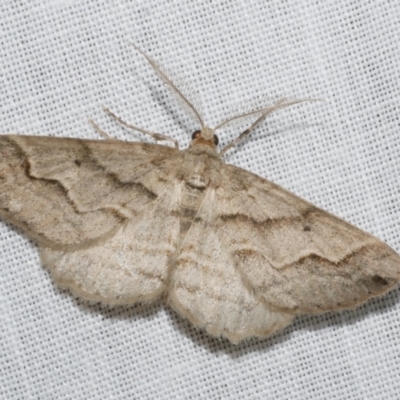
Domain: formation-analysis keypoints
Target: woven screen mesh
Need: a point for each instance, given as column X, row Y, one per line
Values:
column 61, row 61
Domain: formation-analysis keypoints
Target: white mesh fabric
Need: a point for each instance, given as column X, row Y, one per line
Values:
column 60, row 61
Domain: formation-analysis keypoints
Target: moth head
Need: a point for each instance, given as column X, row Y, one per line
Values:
column 205, row 137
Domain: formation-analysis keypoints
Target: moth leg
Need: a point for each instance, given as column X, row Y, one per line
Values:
column 100, row 131
column 156, row 136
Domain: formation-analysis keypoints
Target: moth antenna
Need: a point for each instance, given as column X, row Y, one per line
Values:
column 260, row 114
column 188, row 98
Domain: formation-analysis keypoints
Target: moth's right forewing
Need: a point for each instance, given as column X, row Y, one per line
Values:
column 296, row 257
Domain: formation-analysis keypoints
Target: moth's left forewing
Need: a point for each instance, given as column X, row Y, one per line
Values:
column 295, row 257
column 41, row 205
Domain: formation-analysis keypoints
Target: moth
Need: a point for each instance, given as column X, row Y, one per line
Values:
column 122, row 222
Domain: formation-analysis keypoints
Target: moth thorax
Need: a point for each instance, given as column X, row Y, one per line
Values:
column 207, row 133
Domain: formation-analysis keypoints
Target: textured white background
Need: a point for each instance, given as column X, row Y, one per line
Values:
column 60, row 61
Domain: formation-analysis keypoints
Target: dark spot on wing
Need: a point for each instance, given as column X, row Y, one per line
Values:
column 379, row 280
